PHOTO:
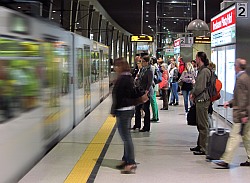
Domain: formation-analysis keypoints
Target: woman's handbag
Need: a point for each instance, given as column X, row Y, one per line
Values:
column 180, row 83
column 191, row 116
column 140, row 96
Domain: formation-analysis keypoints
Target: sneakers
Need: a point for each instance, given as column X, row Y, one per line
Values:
column 245, row 164
column 221, row 164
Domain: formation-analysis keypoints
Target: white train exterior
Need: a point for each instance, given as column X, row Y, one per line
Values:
column 50, row 79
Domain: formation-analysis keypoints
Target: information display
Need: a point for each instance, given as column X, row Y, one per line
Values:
column 230, row 60
column 214, row 59
column 221, row 67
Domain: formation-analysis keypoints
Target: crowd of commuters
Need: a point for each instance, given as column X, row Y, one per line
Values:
column 193, row 76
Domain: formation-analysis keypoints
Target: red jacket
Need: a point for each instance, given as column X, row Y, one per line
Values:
column 164, row 83
column 181, row 67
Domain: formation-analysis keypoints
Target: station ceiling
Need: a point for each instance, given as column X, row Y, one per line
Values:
column 176, row 14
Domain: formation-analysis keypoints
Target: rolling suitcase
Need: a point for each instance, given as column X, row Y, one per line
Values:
column 217, row 141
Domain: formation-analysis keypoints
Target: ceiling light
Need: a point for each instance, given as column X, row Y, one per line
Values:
column 52, row 18
column 77, row 23
column 19, row 7
column 197, row 25
column 147, row 2
column 147, row 15
column 147, row 11
column 164, row 14
column 146, row 21
column 174, row 22
column 54, row 11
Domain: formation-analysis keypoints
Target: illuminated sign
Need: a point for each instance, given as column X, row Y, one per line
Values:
column 177, row 46
column 202, row 40
column 141, row 38
column 223, row 28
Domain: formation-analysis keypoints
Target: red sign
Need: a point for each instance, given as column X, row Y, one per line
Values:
column 223, row 20
column 177, row 42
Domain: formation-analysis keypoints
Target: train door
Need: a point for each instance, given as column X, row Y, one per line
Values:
column 51, row 92
column 87, row 94
column 101, row 76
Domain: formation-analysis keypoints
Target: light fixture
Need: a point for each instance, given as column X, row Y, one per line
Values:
column 197, row 24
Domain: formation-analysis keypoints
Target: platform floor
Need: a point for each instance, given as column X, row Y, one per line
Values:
column 162, row 155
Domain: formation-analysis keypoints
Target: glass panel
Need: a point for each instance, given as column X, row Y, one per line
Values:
column 18, row 48
column 86, row 77
column 95, row 67
column 19, row 86
column 106, row 65
column 80, row 68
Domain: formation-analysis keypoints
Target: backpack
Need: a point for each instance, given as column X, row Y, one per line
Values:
column 214, row 87
column 157, row 76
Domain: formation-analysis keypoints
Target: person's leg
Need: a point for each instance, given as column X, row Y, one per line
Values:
column 123, row 123
column 146, row 109
column 202, row 122
column 185, row 97
column 154, row 106
column 246, row 139
column 175, row 92
column 165, row 99
column 232, row 143
column 138, row 116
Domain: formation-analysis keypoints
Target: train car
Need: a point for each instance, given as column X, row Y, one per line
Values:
column 49, row 81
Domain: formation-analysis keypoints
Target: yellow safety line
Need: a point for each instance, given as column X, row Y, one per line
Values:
column 83, row 168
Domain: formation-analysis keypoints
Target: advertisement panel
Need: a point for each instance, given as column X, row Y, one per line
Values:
column 223, row 29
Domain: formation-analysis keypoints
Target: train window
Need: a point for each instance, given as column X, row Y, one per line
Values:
column 95, row 67
column 18, row 24
column 65, row 70
column 80, row 67
column 106, row 65
column 18, row 48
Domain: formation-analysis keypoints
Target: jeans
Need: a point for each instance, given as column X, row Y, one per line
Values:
column 174, row 94
column 123, row 120
column 185, row 94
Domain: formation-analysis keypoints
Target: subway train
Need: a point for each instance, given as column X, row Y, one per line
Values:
column 50, row 79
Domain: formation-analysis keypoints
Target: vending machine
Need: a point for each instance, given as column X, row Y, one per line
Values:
column 230, row 39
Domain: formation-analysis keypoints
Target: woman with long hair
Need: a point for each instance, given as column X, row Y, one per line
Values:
column 123, row 96
column 187, row 78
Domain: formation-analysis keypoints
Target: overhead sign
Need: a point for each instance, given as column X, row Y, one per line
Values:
column 242, row 10
column 223, row 28
column 202, row 40
column 141, row 38
column 177, row 46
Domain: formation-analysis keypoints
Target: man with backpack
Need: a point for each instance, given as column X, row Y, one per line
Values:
column 201, row 98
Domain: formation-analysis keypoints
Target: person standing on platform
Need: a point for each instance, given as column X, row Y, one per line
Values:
column 201, row 98
column 123, row 109
column 187, row 78
column 153, row 101
column 164, row 86
column 136, row 69
column 241, row 110
column 145, row 82
column 173, row 75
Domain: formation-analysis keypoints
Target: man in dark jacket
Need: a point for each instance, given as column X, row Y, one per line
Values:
column 145, row 82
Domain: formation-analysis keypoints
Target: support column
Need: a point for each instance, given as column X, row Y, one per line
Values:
column 95, row 25
column 65, row 14
column 74, row 12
